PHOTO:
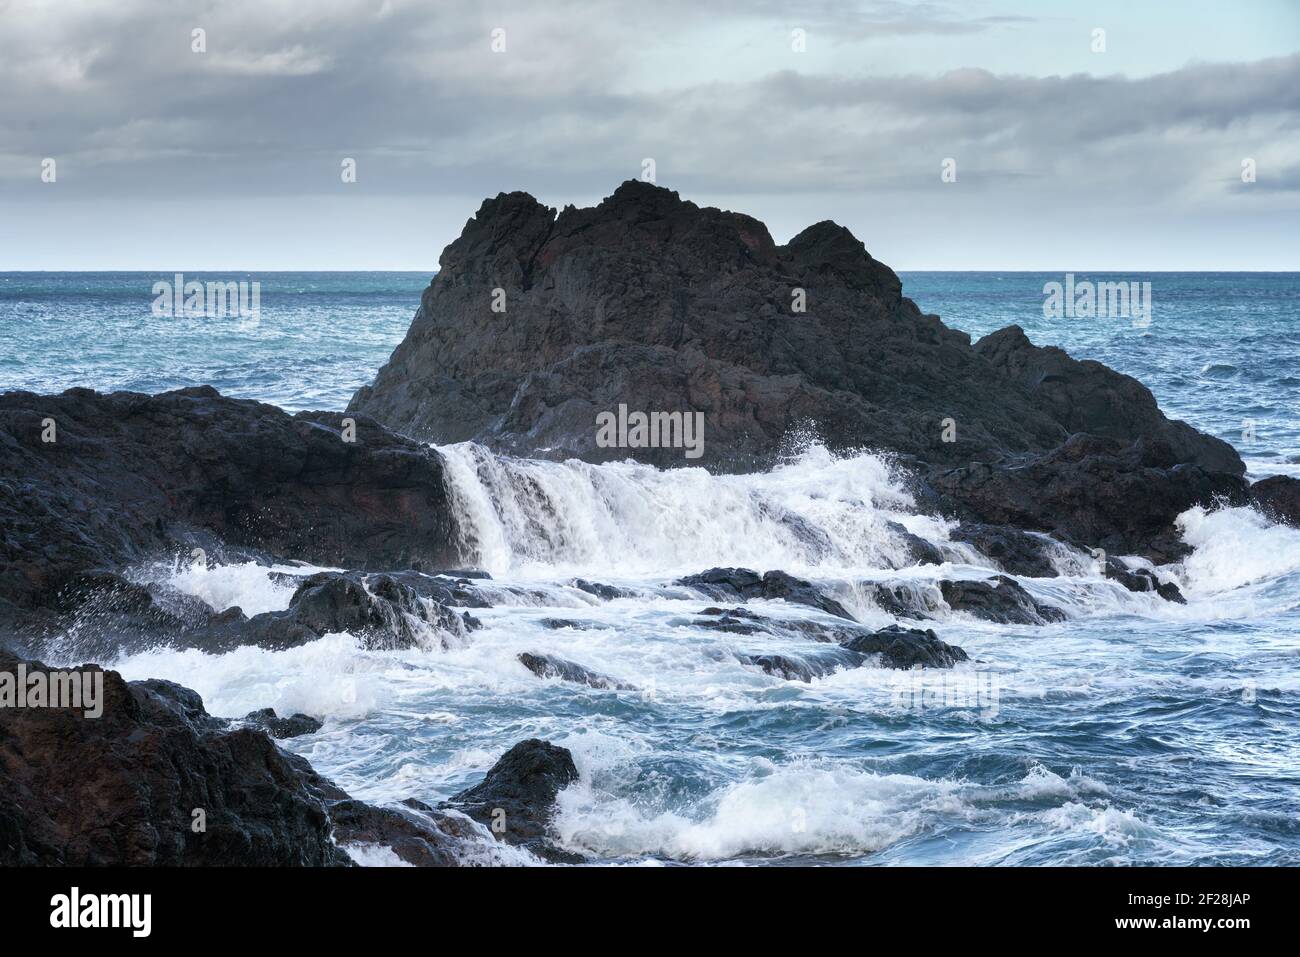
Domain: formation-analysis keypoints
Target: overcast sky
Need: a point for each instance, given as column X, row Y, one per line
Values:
column 1066, row 158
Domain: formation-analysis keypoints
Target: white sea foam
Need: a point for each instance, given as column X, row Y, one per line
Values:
column 1235, row 547
column 818, row 511
column 249, row 586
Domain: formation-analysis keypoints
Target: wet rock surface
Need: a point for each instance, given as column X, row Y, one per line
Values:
column 1017, row 552
column 899, row 647
column 552, row 666
column 123, row 789
column 999, row 599
column 518, row 795
column 741, row 584
column 293, row 726
column 1278, row 497
column 130, row 476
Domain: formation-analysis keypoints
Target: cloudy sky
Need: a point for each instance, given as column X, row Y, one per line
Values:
column 1066, row 158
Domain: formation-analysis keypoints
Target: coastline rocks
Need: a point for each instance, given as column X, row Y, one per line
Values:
column 652, row 302
column 381, row 610
column 1143, row 579
column 1278, row 497
column 797, row 669
column 293, row 726
column 1000, row 599
column 130, row 475
column 743, row 584
column 1016, row 551
column 518, row 796
column 1086, row 396
column 1091, row 490
column 121, row 789
column 900, row 647
column 551, row 666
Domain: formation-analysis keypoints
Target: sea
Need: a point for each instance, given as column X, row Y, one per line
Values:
column 1137, row 731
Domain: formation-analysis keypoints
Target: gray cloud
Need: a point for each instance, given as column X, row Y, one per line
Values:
column 415, row 94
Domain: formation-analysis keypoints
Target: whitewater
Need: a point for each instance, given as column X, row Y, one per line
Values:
column 1137, row 731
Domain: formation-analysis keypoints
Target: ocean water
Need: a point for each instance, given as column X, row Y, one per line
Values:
column 1134, row 732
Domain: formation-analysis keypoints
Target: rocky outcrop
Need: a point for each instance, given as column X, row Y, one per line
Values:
column 898, row 647
column 1092, row 491
column 293, row 726
column 743, row 584
column 128, row 476
column 1278, row 497
column 152, row 781
column 1000, row 599
column 517, row 796
column 538, row 322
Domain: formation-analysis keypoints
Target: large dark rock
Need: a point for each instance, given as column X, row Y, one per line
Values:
column 130, row 475
column 1093, row 491
column 1086, row 396
column 658, row 304
column 742, row 584
column 1278, row 497
column 121, row 789
column 517, row 796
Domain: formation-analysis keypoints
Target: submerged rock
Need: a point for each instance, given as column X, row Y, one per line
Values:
column 1142, row 580
column 1015, row 551
column 797, row 669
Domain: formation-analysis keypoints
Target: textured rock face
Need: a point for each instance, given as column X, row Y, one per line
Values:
column 121, row 789
column 657, row 304
column 132, row 474
column 1094, row 491
column 517, row 796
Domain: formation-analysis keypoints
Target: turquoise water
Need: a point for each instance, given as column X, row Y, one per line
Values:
column 1135, row 732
